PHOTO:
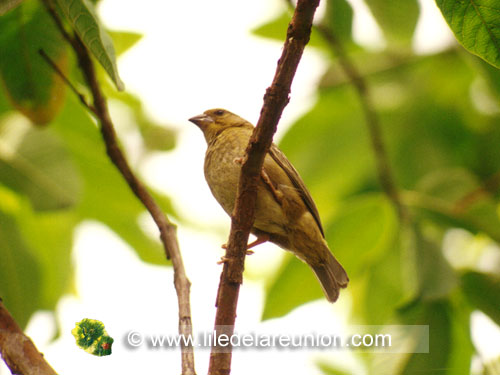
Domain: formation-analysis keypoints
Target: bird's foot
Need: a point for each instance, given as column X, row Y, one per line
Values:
column 238, row 160
column 278, row 195
column 222, row 260
column 249, row 252
column 260, row 239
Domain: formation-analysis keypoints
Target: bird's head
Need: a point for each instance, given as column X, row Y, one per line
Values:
column 214, row 121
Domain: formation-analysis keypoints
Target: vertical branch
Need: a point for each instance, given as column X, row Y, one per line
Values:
column 372, row 121
column 167, row 230
column 275, row 100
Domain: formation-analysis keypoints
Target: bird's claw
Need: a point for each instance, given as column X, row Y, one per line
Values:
column 260, row 239
column 249, row 252
column 278, row 195
column 222, row 260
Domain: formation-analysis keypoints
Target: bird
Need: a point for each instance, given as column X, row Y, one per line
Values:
column 285, row 213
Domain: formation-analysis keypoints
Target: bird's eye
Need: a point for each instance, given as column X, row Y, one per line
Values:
column 219, row 112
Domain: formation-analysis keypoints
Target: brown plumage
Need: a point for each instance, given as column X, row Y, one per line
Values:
column 285, row 214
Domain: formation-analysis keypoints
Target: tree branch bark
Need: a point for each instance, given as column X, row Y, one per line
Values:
column 168, row 235
column 17, row 349
column 275, row 100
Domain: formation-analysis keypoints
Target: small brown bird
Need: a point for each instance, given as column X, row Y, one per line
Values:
column 285, row 214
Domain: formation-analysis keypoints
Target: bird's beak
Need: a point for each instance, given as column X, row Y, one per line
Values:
column 202, row 121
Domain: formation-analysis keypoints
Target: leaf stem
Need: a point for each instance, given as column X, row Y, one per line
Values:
column 66, row 80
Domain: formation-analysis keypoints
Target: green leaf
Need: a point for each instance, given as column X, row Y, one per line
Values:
column 329, row 146
column 6, row 5
column 4, row 103
column 450, row 184
column 157, row 138
column 462, row 347
column 437, row 316
column 381, row 290
column 450, row 348
column 483, row 292
column 362, row 232
column 431, row 125
column 106, row 196
column 35, row 162
column 434, row 276
column 294, row 285
column 124, row 40
column 84, row 20
column 32, row 85
column 476, row 25
column 329, row 369
column 36, row 247
column 449, row 199
column 50, row 236
column 479, row 218
column 397, row 19
column 338, row 18
column 19, row 270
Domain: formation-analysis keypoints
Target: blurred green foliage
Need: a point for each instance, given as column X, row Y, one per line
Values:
column 55, row 177
column 397, row 19
column 440, row 122
column 32, row 85
column 440, row 117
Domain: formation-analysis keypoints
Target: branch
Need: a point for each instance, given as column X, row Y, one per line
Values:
column 17, row 349
column 65, row 79
column 486, row 189
column 275, row 100
column 442, row 207
column 167, row 230
column 372, row 121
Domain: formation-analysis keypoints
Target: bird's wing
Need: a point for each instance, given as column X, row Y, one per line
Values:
column 280, row 158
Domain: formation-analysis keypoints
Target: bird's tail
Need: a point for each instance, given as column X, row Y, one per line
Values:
column 331, row 275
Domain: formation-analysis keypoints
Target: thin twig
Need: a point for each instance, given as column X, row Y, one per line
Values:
column 17, row 350
column 372, row 121
column 444, row 208
column 485, row 190
column 51, row 9
column 168, row 230
column 275, row 100
column 66, row 80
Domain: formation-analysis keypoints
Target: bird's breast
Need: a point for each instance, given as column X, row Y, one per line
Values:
column 222, row 166
column 222, row 172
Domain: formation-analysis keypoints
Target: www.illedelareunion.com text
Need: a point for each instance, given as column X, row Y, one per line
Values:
column 413, row 339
